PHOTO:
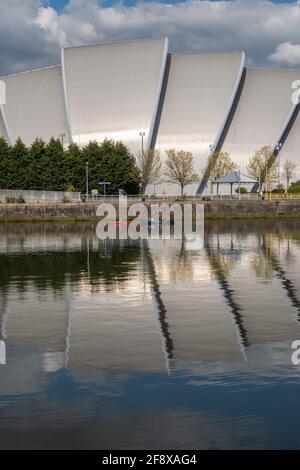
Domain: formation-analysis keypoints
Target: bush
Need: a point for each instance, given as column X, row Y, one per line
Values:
column 70, row 188
column 279, row 191
column 65, row 199
column 242, row 189
column 15, row 200
column 294, row 188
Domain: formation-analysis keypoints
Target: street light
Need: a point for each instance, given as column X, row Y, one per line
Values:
column 142, row 135
column 104, row 184
column 87, row 180
column 278, row 148
column 62, row 136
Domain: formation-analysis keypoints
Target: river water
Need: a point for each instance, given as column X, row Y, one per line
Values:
column 150, row 344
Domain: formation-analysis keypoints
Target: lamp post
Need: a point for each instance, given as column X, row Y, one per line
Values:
column 62, row 136
column 278, row 148
column 104, row 184
column 142, row 135
column 87, row 179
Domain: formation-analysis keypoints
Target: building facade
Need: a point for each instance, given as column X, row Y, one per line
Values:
column 141, row 94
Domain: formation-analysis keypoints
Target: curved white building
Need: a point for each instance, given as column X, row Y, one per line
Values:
column 264, row 106
column 139, row 93
column 112, row 90
column 35, row 105
column 199, row 94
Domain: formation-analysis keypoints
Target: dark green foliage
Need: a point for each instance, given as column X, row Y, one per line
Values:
column 242, row 190
column 49, row 167
column 294, row 188
column 109, row 264
column 111, row 162
column 5, row 157
column 15, row 200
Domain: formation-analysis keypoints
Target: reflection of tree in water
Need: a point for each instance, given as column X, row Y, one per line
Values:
column 287, row 247
column 181, row 264
column 262, row 267
column 269, row 248
column 223, row 259
column 107, row 265
column 224, row 263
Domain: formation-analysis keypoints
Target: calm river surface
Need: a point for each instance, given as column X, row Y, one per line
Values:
column 150, row 344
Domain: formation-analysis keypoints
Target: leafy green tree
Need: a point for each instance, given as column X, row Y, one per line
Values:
column 55, row 178
column 37, row 166
column 112, row 162
column 5, row 157
column 17, row 166
column 179, row 168
column 50, row 167
column 74, row 165
column 149, row 165
column 289, row 171
column 262, row 166
column 223, row 164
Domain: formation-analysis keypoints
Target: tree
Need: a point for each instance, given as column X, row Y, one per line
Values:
column 112, row 162
column 55, row 177
column 289, row 171
column 149, row 165
column 223, row 164
column 37, row 166
column 17, row 166
column 262, row 165
column 5, row 157
column 179, row 168
column 75, row 168
column 50, row 167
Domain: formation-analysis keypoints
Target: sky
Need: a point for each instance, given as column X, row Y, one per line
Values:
column 32, row 32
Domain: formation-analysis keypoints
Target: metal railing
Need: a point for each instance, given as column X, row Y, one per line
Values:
column 39, row 196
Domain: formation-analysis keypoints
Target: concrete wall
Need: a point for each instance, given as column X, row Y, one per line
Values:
column 213, row 209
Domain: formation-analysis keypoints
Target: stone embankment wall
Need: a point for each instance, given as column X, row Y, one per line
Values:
column 213, row 209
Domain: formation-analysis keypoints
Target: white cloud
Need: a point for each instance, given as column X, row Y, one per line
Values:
column 286, row 53
column 31, row 34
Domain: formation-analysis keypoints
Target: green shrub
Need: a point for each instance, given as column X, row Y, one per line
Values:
column 70, row 188
column 15, row 200
column 294, row 189
column 242, row 189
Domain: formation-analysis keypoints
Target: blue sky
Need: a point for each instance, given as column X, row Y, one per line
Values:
column 60, row 4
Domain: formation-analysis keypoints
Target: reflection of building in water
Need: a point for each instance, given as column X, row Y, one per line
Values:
column 267, row 313
column 116, row 330
column 38, row 320
column 174, row 308
column 23, row 373
column 286, row 259
column 199, row 332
